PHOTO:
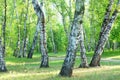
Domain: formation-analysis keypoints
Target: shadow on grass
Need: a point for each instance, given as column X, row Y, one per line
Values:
column 28, row 69
column 101, row 73
column 31, row 72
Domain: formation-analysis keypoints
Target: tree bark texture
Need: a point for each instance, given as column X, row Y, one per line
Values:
column 41, row 22
column 107, row 16
column 74, row 37
column 4, row 27
column 102, row 41
column 25, row 32
column 84, row 63
column 2, row 62
column 30, row 54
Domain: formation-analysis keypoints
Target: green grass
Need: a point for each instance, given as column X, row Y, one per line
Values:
column 106, row 54
column 28, row 69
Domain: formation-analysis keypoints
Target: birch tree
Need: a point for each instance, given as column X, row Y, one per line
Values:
column 2, row 61
column 34, row 41
column 21, row 44
column 25, row 40
column 84, row 63
column 104, row 34
column 41, row 23
column 74, row 37
column 2, row 48
column 17, row 49
column 63, row 10
column 4, row 27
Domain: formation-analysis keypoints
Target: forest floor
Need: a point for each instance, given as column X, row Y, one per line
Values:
column 28, row 69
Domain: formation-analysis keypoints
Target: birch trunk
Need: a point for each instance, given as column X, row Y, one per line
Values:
column 74, row 37
column 4, row 27
column 102, row 41
column 44, row 59
column 84, row 63
column 53, row 42
column 17, row 49
column 107, row 16
column 2, row 62
column 30, row 54
column 25, row 32
column 20, row 55
column 91, row 43
column 39, row 11
column 2, row 48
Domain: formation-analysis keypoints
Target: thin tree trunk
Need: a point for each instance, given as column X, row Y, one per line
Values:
column 108, row 45
column 25, row 47
column 70, row 13
column 91, row 46
column 30, row 54
column 84, row 63
column 95, row 40
column 64, row 24
column 69, row 61
column 39, row 11
column 53, row 42
column 4, row 28
column 25, row 32
column 107, row 16
column 44, row 59
column 20, row 55
column 102, row 41
column 70, row 17
column 2, row 62
column 62, row 13
column 2, row 48
column 17, row 49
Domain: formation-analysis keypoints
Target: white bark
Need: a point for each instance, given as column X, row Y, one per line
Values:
column 84, row 63
column 103, row 38
column 2, row 62
column 107, row 16
column 4, row 27
column 74, row 37
column 102, row 41
column 17, row 49
column 34, row 41
column 41, row 23
column 25, row 31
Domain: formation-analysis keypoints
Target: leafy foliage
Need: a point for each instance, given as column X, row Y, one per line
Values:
column 55, row 11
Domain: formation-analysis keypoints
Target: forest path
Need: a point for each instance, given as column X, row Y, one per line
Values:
column 109, row 59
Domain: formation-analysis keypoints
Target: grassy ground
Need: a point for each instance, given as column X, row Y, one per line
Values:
column 28, row 69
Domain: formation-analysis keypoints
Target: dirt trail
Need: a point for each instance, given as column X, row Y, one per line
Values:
column 103, row 59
